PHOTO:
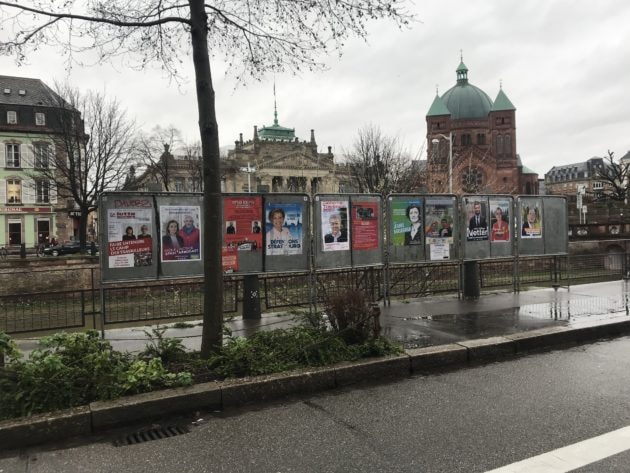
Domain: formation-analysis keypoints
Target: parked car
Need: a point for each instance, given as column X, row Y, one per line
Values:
column 66, row 248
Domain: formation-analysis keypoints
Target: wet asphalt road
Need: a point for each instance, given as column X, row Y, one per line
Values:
column 471, row 420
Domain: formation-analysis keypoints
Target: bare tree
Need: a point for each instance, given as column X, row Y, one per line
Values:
column 378, row 163
column 256, row 36
column 154, row 154
column 92, row 150
column 614, row 176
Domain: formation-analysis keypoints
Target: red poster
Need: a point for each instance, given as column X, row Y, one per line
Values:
column 229, row 259
column 242, row 229
column 365, row 225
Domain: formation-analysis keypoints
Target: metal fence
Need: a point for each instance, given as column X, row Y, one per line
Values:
column 183, row 299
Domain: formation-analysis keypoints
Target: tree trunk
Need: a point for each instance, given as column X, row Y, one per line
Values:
column 83, row 217
column 212, row 214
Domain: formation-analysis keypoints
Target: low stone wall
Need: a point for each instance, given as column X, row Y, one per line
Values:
column 20, row 276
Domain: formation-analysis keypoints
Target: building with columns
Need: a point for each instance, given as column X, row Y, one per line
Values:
column 472, row 143
column 275, row 160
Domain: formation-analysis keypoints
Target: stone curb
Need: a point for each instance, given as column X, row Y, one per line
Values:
column 101, row 415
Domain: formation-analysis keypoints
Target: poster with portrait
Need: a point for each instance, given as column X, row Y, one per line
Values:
column 129, row 241
column 365, row 225
column 439, row 220
column 476, row 219
column 335, row 229
column 181, row 233
column 284, row 228
column 499, row 220
column 242, row 216
column 532, row 218
column 406, row 221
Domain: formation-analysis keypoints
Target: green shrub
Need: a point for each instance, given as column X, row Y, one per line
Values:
column 8, row 349
column 286, row 349
column 166, row 349
column 74, row 369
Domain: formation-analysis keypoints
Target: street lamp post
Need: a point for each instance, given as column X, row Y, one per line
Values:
column 450, row 157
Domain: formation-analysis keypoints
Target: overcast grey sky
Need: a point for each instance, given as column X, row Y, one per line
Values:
column 564, row 64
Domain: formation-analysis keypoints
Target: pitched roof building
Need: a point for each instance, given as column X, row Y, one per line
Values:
column 29, row 120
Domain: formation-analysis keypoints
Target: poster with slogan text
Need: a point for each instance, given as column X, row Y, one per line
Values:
column 365, row 225
column 499, row 221
column 406, row 221
column 477, row 219
column 181, row 233
column 129, row 241
column 283, row 228
column 242, row 229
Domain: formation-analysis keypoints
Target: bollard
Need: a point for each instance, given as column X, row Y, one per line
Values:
column 472, row 284
column 251, row 297
column 23, row 250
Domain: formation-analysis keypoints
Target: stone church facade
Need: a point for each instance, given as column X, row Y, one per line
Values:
column 482, row 134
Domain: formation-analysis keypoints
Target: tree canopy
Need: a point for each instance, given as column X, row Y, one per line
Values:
column 253, row 36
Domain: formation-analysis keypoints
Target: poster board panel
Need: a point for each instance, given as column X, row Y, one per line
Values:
column 531, row 225
column 556, row 236
column 127, row 236
column 180, row 236
column 286, row 231
column 440, row 228
column 242, row 233
column 405, row 224
column 475, row 232
column 366, row 229
column 332, row 232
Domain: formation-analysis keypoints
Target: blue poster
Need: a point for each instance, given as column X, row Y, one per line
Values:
column 283, row 228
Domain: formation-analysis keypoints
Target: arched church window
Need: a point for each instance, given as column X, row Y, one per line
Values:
column 472, row 180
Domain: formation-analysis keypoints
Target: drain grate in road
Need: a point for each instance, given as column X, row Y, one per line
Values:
column 148, row 435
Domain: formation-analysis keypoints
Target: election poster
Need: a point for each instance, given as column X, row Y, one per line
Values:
column 406, row 221
column 499, row 220
column 365, row 225
column 129, row 242
column 181, row 232
column 242, row 229
column 335, row 230
column 477, row 215
column 532, row 218
column 284, row 228
column 439, row 215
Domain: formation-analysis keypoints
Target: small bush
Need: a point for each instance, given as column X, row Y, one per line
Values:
column 166, row 349
column 353, row 317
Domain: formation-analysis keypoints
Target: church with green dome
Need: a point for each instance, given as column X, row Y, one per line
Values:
column 472, row 143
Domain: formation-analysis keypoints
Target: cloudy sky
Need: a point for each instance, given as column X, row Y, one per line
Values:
column 564, row 64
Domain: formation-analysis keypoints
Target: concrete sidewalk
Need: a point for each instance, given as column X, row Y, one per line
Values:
column 434, row 320
column 450, row 333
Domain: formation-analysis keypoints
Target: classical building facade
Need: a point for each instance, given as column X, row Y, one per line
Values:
column 30, row 211
column 472, row 143
column 275, row 160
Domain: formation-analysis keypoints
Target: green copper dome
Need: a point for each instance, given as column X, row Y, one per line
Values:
column 464, row 100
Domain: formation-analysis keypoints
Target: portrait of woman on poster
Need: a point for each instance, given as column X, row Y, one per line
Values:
column 172, row 240
column 531, row 225
column 128, row 234
column 413, row 236
column 500, row 228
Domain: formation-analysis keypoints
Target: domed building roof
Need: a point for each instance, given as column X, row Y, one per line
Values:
column 464, row 100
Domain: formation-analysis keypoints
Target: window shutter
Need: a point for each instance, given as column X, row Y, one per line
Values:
column 53, row 192
column 3, row 150
column 28, row 191
column 3, row 191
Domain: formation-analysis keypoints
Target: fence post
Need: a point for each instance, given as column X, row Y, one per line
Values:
column 251, row 297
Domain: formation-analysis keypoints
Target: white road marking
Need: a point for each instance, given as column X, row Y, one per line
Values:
column 573, row 456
